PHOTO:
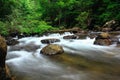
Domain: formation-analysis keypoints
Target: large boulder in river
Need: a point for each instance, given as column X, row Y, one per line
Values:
column 103, row 35
column 48, row 41
column 103, row 39
column 3, row 52
column 52, row 49
column 104, row 42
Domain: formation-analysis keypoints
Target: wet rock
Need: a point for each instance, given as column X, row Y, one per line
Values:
column 70, row 37
column 10, row 41
column 103, row 39
column 3, row 52
column 103, row 35
column 7, row 70
column 3, row 75
column 48, row 41
column 52, row 49
column 81, row 36
column 104, row 42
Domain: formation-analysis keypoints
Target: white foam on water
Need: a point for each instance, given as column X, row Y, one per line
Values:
column 36, row 62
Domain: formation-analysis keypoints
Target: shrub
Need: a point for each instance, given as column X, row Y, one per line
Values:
column 35, row 26
column 3, row 29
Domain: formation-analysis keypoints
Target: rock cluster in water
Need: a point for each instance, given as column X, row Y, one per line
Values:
column 106, row 39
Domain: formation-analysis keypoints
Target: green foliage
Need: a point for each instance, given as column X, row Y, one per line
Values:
column 3, row 29
column 39, row 16
column 106, row 10
column 42, row 28
column 6, row 8
column 35, row 26
column 82, row 20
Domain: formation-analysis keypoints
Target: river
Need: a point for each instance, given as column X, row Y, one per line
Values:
column 81, row 60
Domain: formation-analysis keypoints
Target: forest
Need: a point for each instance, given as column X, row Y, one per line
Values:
column 39, row 16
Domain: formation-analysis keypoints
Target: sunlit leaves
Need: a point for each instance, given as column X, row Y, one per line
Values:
column 82, row 19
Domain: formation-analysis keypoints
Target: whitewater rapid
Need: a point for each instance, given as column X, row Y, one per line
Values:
column 35, row 66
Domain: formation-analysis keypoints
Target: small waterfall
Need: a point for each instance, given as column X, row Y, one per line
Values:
column 74, row 64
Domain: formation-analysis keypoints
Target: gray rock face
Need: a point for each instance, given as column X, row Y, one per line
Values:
column 52, row 49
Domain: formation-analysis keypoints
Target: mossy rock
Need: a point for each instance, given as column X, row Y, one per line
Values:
column 52, row 49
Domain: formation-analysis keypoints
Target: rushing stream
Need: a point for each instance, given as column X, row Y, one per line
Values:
column 81, row 61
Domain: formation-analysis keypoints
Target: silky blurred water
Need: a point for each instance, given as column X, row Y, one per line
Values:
column 81, row 61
